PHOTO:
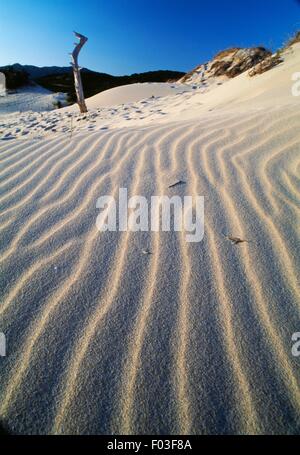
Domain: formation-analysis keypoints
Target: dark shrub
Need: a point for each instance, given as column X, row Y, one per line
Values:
column 14, row 79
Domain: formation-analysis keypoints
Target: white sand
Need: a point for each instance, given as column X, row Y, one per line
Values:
column 30, row 98
column 134, row 92
column 193, row 338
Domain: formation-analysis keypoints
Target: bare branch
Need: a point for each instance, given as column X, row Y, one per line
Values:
column 77, row 76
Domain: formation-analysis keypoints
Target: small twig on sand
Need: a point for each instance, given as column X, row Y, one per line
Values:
column 146, row 252
column 180, row 182
column 71, row 128
column 235, row 240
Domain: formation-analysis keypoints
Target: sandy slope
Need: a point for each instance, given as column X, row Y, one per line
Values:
column 30, row 98
column 134, row 92
column 194, row 338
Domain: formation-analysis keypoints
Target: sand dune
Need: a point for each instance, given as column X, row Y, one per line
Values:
column 192, row 338
column 135, row 92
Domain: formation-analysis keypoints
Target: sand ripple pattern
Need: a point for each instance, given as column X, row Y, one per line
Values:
column 194, row 338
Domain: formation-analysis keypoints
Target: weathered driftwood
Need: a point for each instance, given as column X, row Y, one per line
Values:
column 77, row 75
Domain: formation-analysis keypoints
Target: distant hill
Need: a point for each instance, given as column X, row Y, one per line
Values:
column 60, row 79
column 36, row 71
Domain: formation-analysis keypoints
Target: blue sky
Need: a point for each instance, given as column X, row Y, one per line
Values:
column 127, row 36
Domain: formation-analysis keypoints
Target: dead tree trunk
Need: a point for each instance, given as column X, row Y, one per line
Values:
column 77, row 75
